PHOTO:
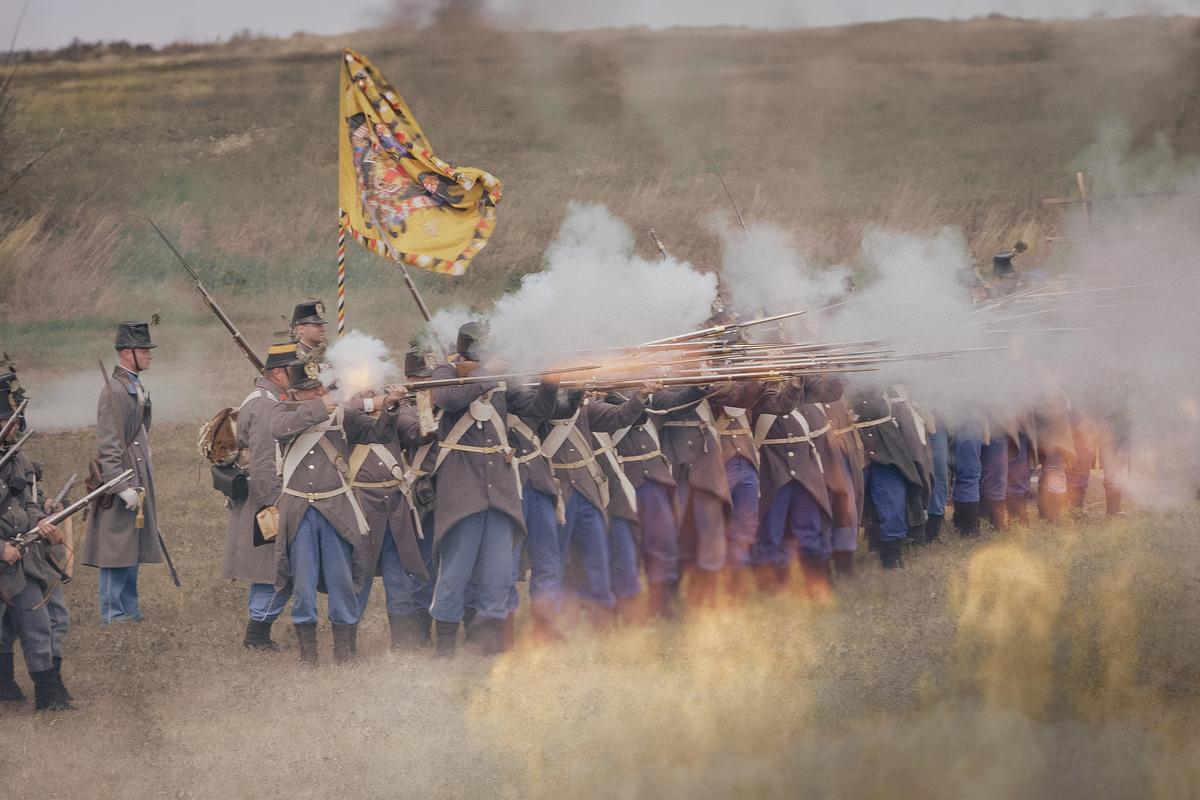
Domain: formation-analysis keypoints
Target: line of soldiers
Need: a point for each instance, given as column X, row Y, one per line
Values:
column 450, row 497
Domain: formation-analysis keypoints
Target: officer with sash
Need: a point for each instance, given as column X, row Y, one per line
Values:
column 243, row 559
column 123, row 530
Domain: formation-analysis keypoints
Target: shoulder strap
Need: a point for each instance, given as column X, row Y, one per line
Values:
column 762, row 427
column 257, row 393
column 562, row 429
column 452, row 438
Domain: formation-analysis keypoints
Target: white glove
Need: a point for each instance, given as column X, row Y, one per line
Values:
column 130, row 496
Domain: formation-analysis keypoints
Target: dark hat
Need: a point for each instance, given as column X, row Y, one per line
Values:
column 308, row 312
column 469, row 336
column 304, row 375
column 11, row 393
column 415, row 365
column 281, row 355
column 1002, row 263
column 133, row 335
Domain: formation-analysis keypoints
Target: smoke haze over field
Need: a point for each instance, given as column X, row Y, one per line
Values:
column 56, row 23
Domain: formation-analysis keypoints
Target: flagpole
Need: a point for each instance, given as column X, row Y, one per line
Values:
column 341, row 273
column 408, row 281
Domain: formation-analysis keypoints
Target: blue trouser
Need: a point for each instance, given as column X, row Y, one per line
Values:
column 583, row 539
column 940, row 446
column 476, row 551
column 29, row 619
column 1019, row 469
column 623, row 560
column 994, row 479
column 742, row 476
column 265, row 602
column 968, row 462
column 545, row 559
column 845, row 538
column 794, row 514
column 319, row 555
column 888, row 495
column 660, row 531
column 119, row 594
column 403, row 594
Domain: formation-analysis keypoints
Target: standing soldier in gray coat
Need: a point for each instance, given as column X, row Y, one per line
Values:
column 243, row 560
column 28, row 581
column 308, row 327
column 122, row 530
column 323, row 540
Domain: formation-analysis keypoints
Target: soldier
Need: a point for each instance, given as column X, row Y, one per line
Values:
column 380, row 475
column 799, row 478
column 477, row 510
column 243, row 560
column 323, row 538
column 308, row 327
column 567, row 442
column 848, row 509
column 1055, row 453
column 896, row 489
column 939, row 490
column 702, row 500
column 912, row 424
column 1006, row 277
column 741, row 457
column 123, row 530
column 1101, row 431
column 27, row 582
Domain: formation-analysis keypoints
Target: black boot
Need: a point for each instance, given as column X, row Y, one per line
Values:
column 10, row 691
column 843, row 563
column 447, row 638
column 933, row 528
column 489, row 633
column 306, row 638
column 48, row 695
column 58, row 674
column 344, row 643
column 916, row 535
column 1112, row 501
column 890, row 553
column 258, row 636
column 996, row 512
column 426, row 626
column 406, row 631
column 966, row 518
column 816, row 572
column 1018, row 509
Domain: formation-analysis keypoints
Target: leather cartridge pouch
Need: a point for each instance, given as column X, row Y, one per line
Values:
column 231, row 481
column 266, row 525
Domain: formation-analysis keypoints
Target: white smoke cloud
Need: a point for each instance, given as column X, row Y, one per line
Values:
column 595, row 292
column 358, row 362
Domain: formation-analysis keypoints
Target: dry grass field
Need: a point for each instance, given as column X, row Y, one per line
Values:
column 1051, row 662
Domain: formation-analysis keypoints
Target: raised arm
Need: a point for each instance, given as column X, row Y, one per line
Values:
column 456, row 399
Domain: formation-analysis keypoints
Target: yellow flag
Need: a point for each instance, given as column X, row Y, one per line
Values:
column 390, row 184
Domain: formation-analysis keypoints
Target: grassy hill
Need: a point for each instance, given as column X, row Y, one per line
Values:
column 909, row 124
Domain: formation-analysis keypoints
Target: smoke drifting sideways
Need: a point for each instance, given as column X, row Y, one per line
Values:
column 593, row 292
column 1114, row 329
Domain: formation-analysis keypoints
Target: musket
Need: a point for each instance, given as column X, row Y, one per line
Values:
column 238, row 339
column 22, row 541
column 62, row 493
column 12, row 422
column 120, row 431
column 717, row 330
column 15, row 448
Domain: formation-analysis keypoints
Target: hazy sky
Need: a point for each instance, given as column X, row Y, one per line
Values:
column 51, row 23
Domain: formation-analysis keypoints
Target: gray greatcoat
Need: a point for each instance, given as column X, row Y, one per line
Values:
column 243, row 561
column 316, row 474
column 472, row 482
column 695, row 453
column 384, row 504
column 123, row 442
column 19, row 513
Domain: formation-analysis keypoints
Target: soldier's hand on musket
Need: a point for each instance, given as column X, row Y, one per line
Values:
column 650, row 387
column 51, row 507
column 50, row 532
column 10, row 554
column 394, row 395
column 797, row 382
column 330, row 403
